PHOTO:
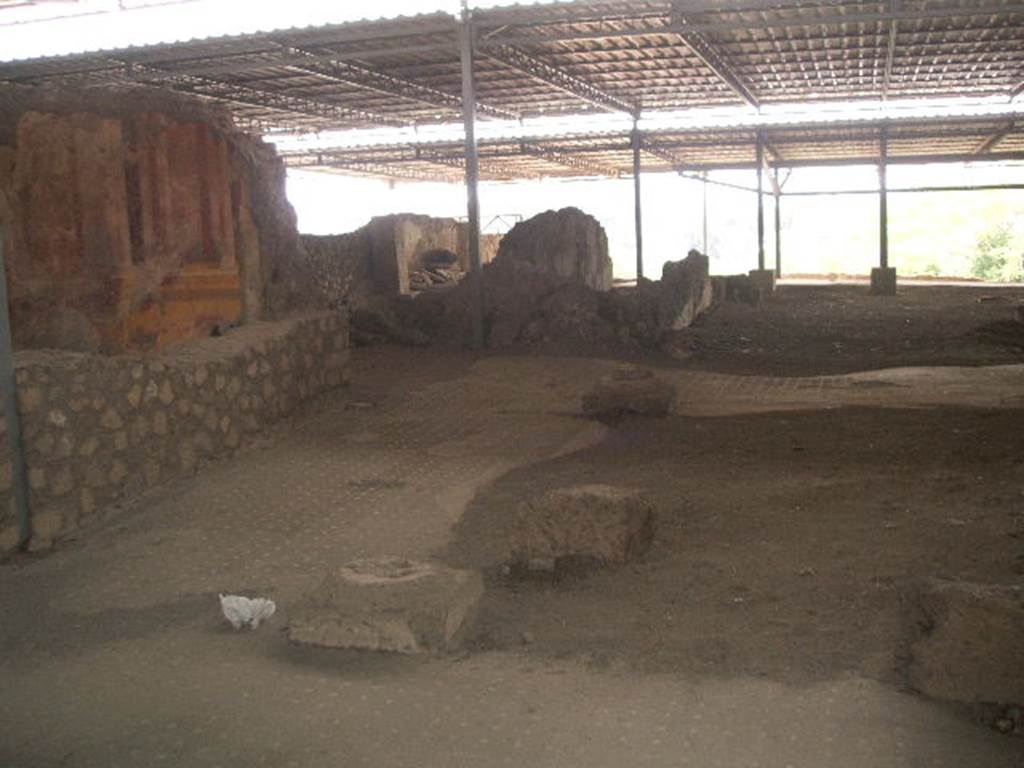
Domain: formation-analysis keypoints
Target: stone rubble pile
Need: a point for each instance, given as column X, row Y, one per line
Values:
column 440, row 270
column 549, row 283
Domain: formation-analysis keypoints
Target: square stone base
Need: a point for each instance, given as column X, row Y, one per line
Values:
column 389, row 604
column 883, row 281
column 596, row 522
column 764, row 279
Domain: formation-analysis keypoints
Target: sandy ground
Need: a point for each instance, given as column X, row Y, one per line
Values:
column 827, row 329
column 768, row 626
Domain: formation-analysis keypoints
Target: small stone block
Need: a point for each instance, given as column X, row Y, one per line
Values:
column 599, row 522
column 764, row 279
column 629, row 391
column 389, row 604
column 883, row 281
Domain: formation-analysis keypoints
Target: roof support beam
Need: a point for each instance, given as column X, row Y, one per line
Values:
column 638, row 212
column 787, row 22
column 890, row 53
column 773, row 173
column 883, row 201
column 990, row 143
column 369, row 79
column 564, row 81
column 762, row 164
column 662, row 153
column 467, row 56
column 390, row 171
column 863, row 160
column 569, row 160
column 713, row 59
column 254, row 97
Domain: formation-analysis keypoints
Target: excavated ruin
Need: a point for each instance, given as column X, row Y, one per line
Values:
column 549, row 281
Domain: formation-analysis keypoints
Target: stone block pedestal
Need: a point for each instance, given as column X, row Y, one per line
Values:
column 883, row 281
column 594, row 522
column 629, row 390
column 764, row 279
column 389, row 604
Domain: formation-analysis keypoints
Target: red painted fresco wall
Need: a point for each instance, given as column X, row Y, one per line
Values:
column 134, row 231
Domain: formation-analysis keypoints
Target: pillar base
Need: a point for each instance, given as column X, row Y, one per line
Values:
column 764, row 279
column 883, row 281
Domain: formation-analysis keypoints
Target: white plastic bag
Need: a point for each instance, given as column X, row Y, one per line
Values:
column 246, row 612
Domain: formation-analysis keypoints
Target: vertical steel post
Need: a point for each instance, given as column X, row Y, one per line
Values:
column 778, row 229
column 637, row 206
column 704, row 176
column 467, row 34
column 760, row 201
column 883, row 201
column 9, row 406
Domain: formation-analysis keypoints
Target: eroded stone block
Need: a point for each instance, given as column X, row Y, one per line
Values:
column 883, row 281
column 629, row 390
column 389, row 604
column 598, row 522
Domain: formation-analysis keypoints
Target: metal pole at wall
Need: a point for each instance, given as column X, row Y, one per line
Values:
column 638, row 212
column 9, row 407
column 778, row 230
column 467, row 35
column 883, row 201
column 760, row 202
column 705, row 205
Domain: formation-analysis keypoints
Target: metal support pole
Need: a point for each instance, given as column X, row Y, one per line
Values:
column 9, row 406
column 637, row 206
column 704, row 176
column 760, row 202
column 883, row 202
column 778, row 232
column 467, row 35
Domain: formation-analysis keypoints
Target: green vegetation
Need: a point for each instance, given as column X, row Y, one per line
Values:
column 1000, row 255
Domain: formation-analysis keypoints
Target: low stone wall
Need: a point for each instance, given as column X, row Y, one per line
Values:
column 98, row 429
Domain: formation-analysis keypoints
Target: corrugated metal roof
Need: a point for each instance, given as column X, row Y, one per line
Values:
column 565, row 60
column 216, row 21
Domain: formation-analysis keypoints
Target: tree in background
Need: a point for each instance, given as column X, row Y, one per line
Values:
column 999, row 256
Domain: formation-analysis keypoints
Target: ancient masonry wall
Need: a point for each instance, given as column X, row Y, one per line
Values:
column 134, row 221
column 99, row 429
column 377, row 258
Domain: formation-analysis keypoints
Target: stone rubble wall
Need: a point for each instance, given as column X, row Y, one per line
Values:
column 100, row 429
column 377, row 259
column 341, row 267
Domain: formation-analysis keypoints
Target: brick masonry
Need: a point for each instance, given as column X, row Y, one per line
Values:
column 98, row 429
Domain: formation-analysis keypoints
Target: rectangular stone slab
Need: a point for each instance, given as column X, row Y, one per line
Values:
column 600, row 522
column 389, row 604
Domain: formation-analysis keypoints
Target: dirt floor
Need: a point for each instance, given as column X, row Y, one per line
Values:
column 788, row 546
column 807, row 330
column 768, row 626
